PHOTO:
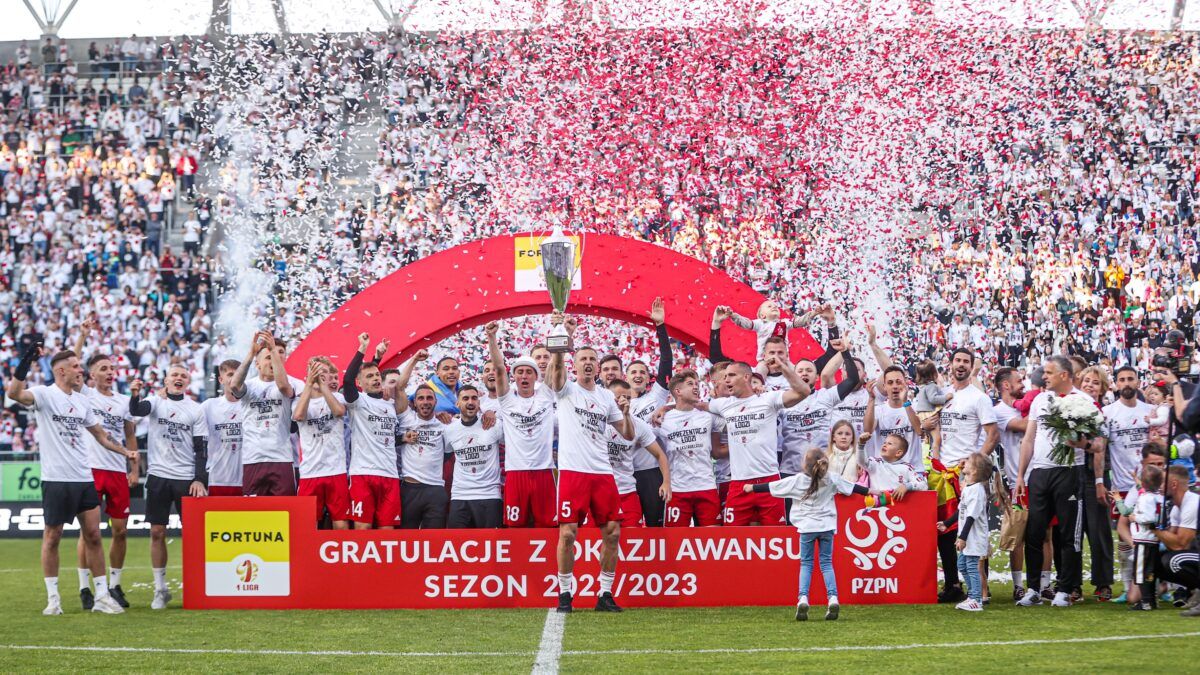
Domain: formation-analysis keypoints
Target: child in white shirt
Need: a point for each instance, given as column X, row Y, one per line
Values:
column 887, row 472
column 769, row 325
column 843, row 461
column 1147, row 504
column 814, row 515
column 972, row 542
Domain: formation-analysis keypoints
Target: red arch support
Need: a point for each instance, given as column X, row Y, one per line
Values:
column 469, row 285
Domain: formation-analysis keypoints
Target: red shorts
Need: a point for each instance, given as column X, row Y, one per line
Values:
column 704, row 505
column 529, row 498
column 631, row 510
column 331, row 492
column 593, row 494
column 224, row 490
column 113, row 488
column 743, row 508
column 375, row 500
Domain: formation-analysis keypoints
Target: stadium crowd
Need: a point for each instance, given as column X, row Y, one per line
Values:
column 1035, row 200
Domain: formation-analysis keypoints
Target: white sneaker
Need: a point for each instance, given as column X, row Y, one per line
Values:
column 969, row 605
column 161, row 598
column 106, row 604
column 1031, row 598
column 1061, row 600
column 53, row 607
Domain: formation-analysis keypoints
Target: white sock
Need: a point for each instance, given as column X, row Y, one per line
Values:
column 101, row 586
column 606, row 582
column 85, row 579
column 566, row 583
column 1046, row 577
column 833, row 600
column 803, row 600
column 51, row 587
column 1018, row 578
column 114, row 575
column 160, row 578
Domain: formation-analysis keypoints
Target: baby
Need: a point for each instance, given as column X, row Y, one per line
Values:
column 930, row 397
column 769, row 325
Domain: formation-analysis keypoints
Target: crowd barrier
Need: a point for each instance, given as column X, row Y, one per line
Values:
column 266, row 553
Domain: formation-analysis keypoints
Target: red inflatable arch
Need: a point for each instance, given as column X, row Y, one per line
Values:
column 469, row 285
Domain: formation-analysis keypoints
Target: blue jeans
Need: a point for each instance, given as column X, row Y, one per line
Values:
column 825, row 540
column 968, row 567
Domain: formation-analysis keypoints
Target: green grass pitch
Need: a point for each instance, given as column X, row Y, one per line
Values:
column 1087, row 638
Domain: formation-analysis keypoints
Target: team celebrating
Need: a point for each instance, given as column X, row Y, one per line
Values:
column 542, row 442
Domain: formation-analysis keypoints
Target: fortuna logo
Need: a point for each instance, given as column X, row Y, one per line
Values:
column 885, row 557
column 252, row 535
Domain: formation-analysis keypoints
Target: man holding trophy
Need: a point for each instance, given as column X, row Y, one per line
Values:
column 586, row 486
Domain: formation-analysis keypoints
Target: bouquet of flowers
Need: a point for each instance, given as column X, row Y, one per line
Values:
column 1072, row 418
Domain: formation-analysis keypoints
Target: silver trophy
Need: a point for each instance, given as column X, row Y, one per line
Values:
column 558, row 266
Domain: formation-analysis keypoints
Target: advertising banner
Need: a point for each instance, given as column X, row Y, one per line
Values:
column 266, row 553
column 20, row 482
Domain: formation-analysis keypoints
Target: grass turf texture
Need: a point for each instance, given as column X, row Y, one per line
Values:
column 670, row 639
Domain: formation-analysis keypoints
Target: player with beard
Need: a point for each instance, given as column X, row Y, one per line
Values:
column 422, row 455
column 806, row 425
column 648, row 396
column 692, row 440
column 751, row 421
column 267, row 457
column 68, row 487
column 527, row 411
column 489, row 400
column 1126, row 429
column 113, row 474
column 319, row 414
column 586, row 482
column 1011, row 388
column 223, row 414
column 621, row 453
column 176, row 461
column 374, row 475
column 476, row 501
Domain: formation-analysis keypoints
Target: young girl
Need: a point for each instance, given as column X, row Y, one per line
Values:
column 815, row 517
column 930, row 397
column 972, row 542
column 843, row 461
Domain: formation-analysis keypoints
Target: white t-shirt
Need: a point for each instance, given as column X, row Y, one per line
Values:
column 643, row 408
column 322, row 449
column 528, row 425
column 894, row 421
column 973, row 504
column 372, row 437
column 583, row 419
column 686, row 437
column 1184, row 515
column 887, row 475
column 805, row 426
column 750, row 423
column 170, row 450
column 775, row 382
column 1045, row 438
column 1127, row 430
column 62, row 422
column 817, row 513
column 224, row 420
column 852, row 408
column 266, row 423
column 476, row 459
column 424, row 460
column 111, row 412
column 1145, row 513
column 962, row 419
column 621, row 453
column 1009, row 440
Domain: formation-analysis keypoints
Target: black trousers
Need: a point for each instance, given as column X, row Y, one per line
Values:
column 648, row 482
column 475, row 513
column 1180, row 567
column 422, row 506
column 1098, row 527
column 1055, row 492
column 949, row 556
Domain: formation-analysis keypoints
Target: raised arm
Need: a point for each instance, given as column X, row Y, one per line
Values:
column 881, row 357
column 869, row 416
column 798, row 390
column 237, row 385
column 85, row 328
column 16, row 386
column 350, row 379
column 665, row 356
column 720, row 314
column 853, row 377
column 401, row 398
column 138, row 407
column 281, row 377
column 740, row 321
column 335, row 406
column 301, row 411
column 556, row 372
column 497, row 357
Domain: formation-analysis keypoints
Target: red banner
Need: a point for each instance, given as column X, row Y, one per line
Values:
column 266, row 553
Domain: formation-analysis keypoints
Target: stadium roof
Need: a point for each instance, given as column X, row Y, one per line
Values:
column 77, row 19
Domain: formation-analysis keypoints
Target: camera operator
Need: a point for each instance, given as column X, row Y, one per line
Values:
column 1179, row 563
column 1171, row 363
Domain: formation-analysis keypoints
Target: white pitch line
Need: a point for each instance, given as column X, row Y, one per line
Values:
column 550, row 648
column 601, row 652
